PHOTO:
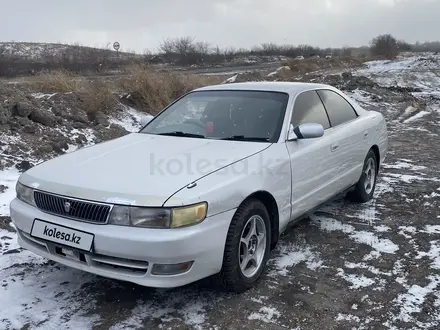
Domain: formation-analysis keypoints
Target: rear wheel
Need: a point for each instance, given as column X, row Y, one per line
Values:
column 247, row 247
column 364, row 189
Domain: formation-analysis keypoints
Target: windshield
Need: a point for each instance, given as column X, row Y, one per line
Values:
column 230, row 115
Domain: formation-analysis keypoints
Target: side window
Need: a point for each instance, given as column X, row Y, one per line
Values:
column 338, row 109
column 308, row 108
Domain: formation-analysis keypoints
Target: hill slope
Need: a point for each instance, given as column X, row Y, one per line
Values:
column 41, row 51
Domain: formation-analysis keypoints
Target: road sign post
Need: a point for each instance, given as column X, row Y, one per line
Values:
column 117, row 46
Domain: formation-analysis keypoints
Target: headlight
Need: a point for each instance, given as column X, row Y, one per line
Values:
column 189, row 215
column 25, row 194
column 158, row 217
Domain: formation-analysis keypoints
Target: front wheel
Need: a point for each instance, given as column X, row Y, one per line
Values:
column 366, row 185
column 247, row 247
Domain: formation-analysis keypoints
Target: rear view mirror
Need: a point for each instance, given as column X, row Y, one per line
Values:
column 146, row 119
column 306, row 131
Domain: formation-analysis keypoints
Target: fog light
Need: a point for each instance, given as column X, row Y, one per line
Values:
column 171, row 269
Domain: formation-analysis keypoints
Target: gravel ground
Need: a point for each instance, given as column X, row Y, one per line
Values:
column 369, row 266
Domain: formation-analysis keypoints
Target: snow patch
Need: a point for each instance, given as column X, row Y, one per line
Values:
column 379, row 244
column 404, row 165
column 371, row 269
column 191, row 310
column 231, row 80
column 291, row 255
column 43, row 95
column 432, row 229
column 347, row 317
column 362, row 237
column 357, row 281
column 12, row 254
column 411, row 63
column 265, row 314
column 382, row 228
column 417, row 116
column 259, row 300
column 433, row 195
column 433, row 254
column 403, row 230
column 8, row 178
column 361, row 96
column 44, row 297
column 130, row 119
column 280, row 69
column 411, row 302
column 406, row 178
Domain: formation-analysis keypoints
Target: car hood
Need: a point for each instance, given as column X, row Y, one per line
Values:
column 137, row 169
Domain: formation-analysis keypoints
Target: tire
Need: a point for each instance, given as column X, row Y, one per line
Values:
column 365, row 187
column 233, row 277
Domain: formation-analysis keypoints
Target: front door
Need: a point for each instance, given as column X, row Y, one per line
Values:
column 313, row 161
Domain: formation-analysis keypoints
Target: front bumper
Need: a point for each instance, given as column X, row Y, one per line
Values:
column 128, row 253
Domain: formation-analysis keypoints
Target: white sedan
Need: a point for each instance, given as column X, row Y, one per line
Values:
column 204, row 188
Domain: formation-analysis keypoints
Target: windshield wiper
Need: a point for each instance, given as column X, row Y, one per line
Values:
column 179, row 133
column 246, row 138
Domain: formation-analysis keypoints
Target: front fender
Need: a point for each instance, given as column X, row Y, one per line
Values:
column 225, row 189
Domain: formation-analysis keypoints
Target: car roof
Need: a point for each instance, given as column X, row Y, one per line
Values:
column 268, row 86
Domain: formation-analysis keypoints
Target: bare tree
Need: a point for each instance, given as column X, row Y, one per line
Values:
column 184, row 45
column 385, row 45
column 429, row 46
column 403, row 46
column 202, row 48
column 270, row 49
column 346, row 51
column 167, row 46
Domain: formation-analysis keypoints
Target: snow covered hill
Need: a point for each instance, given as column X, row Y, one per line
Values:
column 41, row 51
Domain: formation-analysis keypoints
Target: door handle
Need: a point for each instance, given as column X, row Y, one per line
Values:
column 366, row 134
column 334, row 147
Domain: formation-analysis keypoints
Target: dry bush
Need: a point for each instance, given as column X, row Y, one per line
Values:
column 151, row 91
column 54, row 82
column 98, row 96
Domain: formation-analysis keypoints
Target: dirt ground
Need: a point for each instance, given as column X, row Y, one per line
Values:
column 369, row 266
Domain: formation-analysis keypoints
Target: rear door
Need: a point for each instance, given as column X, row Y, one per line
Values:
column 349, row 145
column 312, row 164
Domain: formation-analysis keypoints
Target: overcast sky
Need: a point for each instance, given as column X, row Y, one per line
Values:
column 141, row 24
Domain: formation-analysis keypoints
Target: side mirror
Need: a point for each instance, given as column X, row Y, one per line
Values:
column 305, row 131
column 146, row 119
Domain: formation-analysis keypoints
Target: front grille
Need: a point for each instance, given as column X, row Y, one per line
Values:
column 72, row 208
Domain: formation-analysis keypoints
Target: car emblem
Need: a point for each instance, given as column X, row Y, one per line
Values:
column 67, row 206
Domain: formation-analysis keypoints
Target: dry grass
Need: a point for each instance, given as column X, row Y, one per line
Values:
column 316, row 64
column 97, row 95
column 54, row 82
column 151, row 91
